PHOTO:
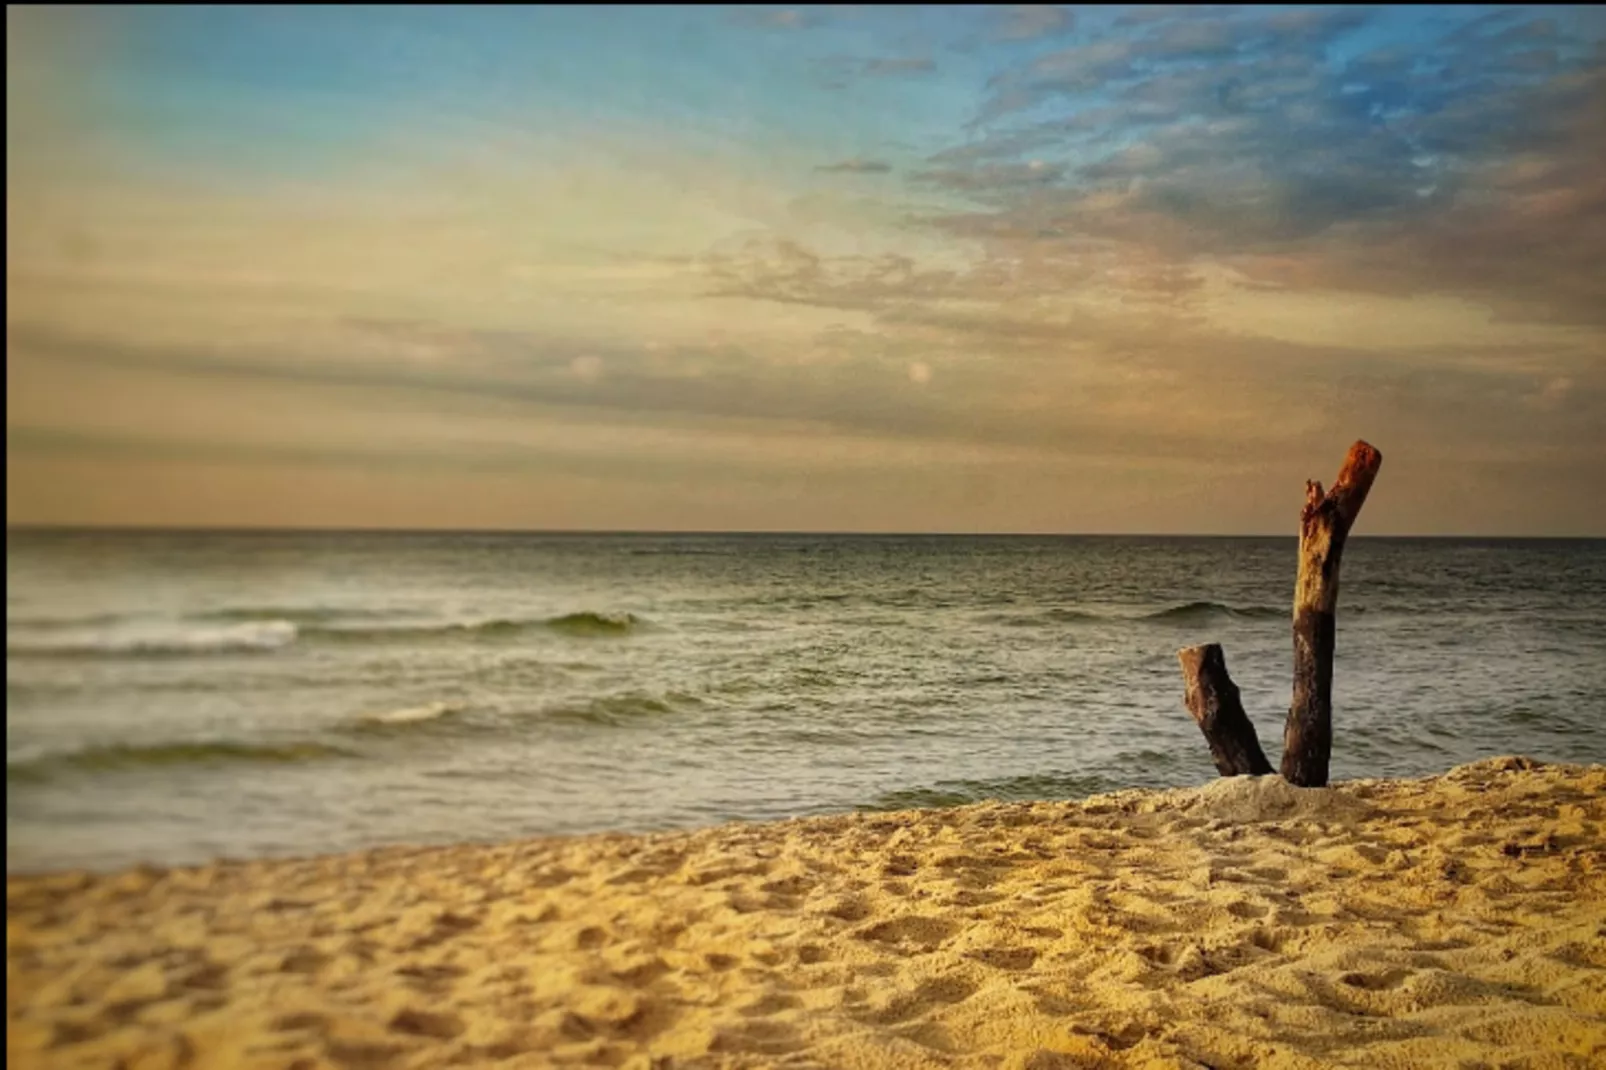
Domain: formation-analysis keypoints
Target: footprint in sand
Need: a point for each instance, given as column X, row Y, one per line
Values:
column 848, row 908
column 768, row 1004
column 788, row 886
column 643, row 973
column 435, row 979
column 927, row 997
column 1376, row 982
column 304, row 959
column 1247, row 911
column 421, row 1023
column 756, row 1037
column 299, row 1021
column 900, row 866
column 1013, row 959
column 923, row 932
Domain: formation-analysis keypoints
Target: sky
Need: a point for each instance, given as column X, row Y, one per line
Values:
column 839, row 268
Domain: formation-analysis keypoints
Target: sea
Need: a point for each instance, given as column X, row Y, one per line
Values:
column 177, row 697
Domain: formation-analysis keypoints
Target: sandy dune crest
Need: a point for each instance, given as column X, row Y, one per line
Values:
column 1458, row 921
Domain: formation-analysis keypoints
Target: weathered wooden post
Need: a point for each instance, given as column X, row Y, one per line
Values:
column 1324, row 526
column 1213, row 700
column 1212, row 697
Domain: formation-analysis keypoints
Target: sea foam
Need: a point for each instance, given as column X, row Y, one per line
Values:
column 432, row 711
column 154, row 638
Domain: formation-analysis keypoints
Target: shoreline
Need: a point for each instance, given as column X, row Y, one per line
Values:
column 1443, row 921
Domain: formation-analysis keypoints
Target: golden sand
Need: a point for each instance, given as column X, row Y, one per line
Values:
column 1458, row 921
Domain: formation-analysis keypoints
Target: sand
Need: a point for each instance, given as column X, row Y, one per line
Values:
column 1458, row 921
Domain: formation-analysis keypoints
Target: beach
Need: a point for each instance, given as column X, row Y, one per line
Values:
column 1453, row 921
column 758, row 537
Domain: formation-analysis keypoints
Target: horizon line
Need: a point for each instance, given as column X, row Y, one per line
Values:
column 168, row 529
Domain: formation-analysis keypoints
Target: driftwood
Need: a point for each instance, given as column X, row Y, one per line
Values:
column 1213, row 700
column 1323, row 529
column 1211, row 696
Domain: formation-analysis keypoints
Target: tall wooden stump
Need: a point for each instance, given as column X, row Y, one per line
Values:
column 1324, row 525
column 1213, row 700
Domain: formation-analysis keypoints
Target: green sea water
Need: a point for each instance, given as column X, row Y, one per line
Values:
column 175, row 697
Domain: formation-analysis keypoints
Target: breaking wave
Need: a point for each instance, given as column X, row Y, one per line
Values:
column 239, row 632
column 153, row 639
column 1182, row 613
column 132, row 756
column 623, row 709
column 1044, row 619
column 1192, row 611
column 1143, row 768
column 572, row 624
column 587, row 623
column 433, row 711
column 1031, row 788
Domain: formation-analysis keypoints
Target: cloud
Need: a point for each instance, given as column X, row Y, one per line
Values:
column 1183, row 246
column 586, row 367
column 996, row 179
column 1553, row 394
column 1130, row 390
column 773, row 18
column 848, row 391
column 1461, row 166
column 1118, row 297
column 1150, row 14
column 840, row 72
column 782, row 270
column 1311, row 28
column 1030, row 22
column 856, row 167
column 1210, row 39
column 891, row 66
column 1288, row 38
column 1079, row 67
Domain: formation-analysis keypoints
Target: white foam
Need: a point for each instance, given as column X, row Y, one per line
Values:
column 410, row 714
column 152, row 638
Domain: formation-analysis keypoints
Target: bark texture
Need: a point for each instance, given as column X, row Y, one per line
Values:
column 1212, row 698
column 1324, row 526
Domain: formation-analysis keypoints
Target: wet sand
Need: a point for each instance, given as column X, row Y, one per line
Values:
column 1457, row 921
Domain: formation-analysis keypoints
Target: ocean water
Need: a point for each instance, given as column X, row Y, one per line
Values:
column 175, row 697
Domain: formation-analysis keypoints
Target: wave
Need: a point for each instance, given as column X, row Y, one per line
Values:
column 433, row 711
column 1192, row 611
column 417, row 631
column 584, row 624
column 1061, row 616
column 247, row 633
column 620, row 710
column 1177, row 614
column 148, row 639
column 121, row 756
column 588, row 623
column 1029, row 788
column 305, row 616
column 1045, row 618
column 93, row 620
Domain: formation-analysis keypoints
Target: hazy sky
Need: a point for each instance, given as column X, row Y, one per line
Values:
column 836, row 268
